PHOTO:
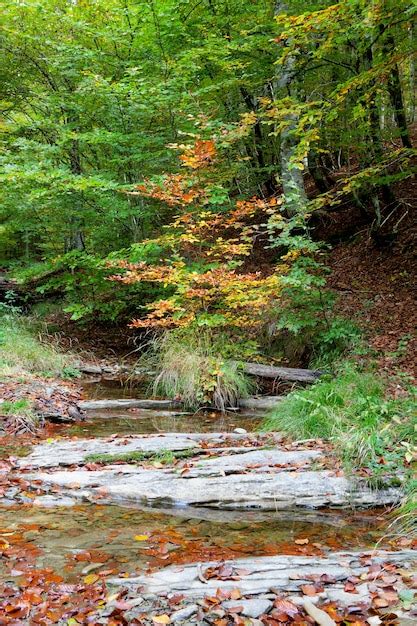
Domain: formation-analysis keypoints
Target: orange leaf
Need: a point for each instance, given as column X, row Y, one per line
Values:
column 90, row 579
column 161, row 619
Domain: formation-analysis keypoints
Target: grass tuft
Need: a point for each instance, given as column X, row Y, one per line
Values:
column 191, row 369
column 352, row 409
column 18, row 417
column 21, row 350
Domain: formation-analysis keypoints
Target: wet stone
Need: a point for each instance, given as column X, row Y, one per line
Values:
column 269, row 491
column 76, row 452
column 257, row 575
column 250, row 608
column 50, row 501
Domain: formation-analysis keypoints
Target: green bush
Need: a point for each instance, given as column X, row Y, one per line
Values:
column 305, row 322
column 82, row 282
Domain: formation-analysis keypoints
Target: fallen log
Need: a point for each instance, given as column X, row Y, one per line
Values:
column 291, row 374
column 114, row 370
column 125, row 403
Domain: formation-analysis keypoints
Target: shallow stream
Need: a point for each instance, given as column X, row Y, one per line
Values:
column 94, row 537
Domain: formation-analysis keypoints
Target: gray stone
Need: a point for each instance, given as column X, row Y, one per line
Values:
column 73, row 452
column 49, row 501
column 240, row 477
column 270, row 491
column 184, row 613
column 260, row 402
column 257, row 575
column 259, row 460
column 345, row 599
column 250, row 608
column 125, row 403
column 86, row 368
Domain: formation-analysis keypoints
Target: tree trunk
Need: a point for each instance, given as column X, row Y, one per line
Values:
column 396, row 95
column 397, row 103
column 283, row 373
column 321, row 179
column 295, row 198
column 75, row 239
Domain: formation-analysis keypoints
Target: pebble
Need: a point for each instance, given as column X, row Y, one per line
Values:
column 184, row 613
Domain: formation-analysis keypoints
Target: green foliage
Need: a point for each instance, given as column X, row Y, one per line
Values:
column 99, row 98
column 306, row 315
column 18, row 407
column 353, row 410
column 81, row 282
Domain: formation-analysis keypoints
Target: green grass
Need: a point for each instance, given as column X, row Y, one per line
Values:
column 23, row 351
column 405, row 519
column 18, row 407
column 353, row 410
column 19, row 416
column 191, row 368
column 165, row 457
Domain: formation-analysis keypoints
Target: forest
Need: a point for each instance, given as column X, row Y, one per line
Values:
column 207, row 312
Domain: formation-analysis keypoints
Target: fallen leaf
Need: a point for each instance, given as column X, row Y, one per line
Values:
column 141, row 538
column 161, row 619
column 286, row 606
column 90, row 579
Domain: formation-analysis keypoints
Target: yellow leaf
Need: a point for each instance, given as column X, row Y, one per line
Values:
column 161, row 619
column 142, row 538
column 90, row 579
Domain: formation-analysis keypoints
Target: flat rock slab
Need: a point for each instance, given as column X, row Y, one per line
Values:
column 259, row 575
column 241, row 475
column 269, row 491
column 255, row 461
column 75, row 451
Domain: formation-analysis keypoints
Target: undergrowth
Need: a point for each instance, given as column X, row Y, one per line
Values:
column 192, row 368
column 18, row 417
column 22, row 350
column 368, row 428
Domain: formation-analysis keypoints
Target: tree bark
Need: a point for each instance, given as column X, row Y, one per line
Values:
column 291, row 374
column 75, row 239
column 295, row 197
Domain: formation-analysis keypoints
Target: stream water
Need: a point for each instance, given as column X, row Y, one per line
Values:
column 106, row 537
